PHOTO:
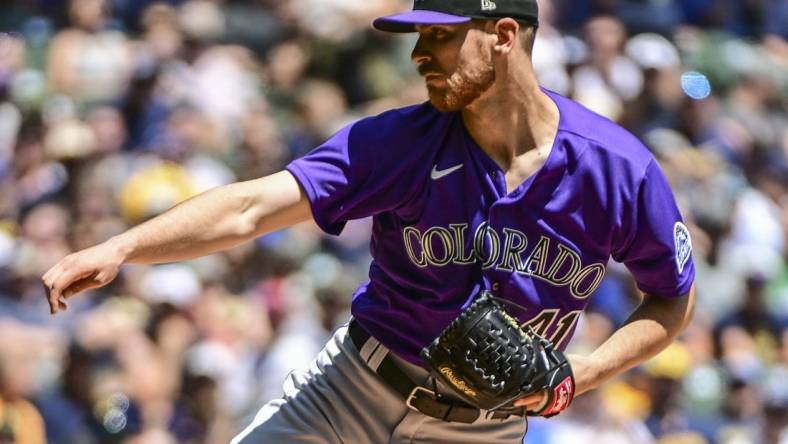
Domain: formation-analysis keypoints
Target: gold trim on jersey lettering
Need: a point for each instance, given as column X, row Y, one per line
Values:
column 564, row 253
column 542, row 248
column 409, row 248
column 511, row 251
column 547, row 319
column 459, row 245
column 448, row 246
column 554, row 337
column 580, row 277
column 478, row 244
column 542, row 321
column 566, row 269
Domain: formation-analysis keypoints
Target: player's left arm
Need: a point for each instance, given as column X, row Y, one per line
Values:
column 650, row 329
column 656, row 248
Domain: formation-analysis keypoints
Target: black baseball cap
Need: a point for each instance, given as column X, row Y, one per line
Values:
column 454, row 12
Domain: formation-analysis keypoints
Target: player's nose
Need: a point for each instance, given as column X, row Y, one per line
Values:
column 420, row 55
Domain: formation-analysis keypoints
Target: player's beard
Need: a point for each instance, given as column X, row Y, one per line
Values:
column 463, row 87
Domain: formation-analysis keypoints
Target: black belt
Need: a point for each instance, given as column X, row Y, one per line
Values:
column 417, row 397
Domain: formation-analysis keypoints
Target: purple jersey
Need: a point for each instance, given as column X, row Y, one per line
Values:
column 445, row 226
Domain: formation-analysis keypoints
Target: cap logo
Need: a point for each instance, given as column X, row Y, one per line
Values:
column 488, row 5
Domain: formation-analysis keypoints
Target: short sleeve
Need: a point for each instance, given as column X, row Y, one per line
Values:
column 656, row 246
column 366, row 168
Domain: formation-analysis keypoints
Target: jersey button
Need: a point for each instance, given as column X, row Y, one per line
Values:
column 496, row 286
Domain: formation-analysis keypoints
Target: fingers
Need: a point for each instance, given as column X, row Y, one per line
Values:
column 59, row 279
column 81, row 285
column 48, row 292
column 49, row 285
column 534, row 402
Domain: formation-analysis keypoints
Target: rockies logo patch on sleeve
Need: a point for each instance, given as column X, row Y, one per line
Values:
column 683, row 243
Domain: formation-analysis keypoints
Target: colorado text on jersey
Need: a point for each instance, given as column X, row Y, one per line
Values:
column 548, row 260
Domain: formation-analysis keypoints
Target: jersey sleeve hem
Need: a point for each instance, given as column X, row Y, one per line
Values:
column 306, row 184
column 671, row 292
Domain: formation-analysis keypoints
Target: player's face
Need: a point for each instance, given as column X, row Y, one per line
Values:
column 456, row 62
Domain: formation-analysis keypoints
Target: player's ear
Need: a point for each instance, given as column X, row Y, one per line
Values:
column 506, row 31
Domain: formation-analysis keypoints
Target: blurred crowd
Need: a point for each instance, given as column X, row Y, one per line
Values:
column 112, row 111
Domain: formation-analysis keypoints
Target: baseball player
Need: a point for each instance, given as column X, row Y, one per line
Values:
column 494, row 184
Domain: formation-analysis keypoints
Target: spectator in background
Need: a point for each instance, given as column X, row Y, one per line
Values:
column 88, row 61
column 321, row 109
column 609, row 78
column 20, row 421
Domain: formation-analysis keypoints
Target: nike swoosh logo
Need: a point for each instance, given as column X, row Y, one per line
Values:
column 439, row 174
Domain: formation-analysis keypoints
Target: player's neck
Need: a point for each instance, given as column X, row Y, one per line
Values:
column 513, row 118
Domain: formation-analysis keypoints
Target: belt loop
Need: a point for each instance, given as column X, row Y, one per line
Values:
column 377, row 355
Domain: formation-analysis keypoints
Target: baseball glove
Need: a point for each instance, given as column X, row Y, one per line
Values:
column 490, row 361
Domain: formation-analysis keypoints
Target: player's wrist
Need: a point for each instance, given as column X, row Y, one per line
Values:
column 587, row 372
column 119, row 248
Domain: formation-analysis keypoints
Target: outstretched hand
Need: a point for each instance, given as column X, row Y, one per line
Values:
column 86, row 269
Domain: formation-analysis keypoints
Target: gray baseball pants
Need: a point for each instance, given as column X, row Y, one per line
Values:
column 340, row 399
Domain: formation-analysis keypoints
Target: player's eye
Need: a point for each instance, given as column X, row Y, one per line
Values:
column 437, row 33
column 441, row 34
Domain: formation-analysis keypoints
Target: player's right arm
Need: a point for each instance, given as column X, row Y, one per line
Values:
column 213, row 221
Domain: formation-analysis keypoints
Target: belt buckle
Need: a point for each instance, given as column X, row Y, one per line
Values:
column 412, row 396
